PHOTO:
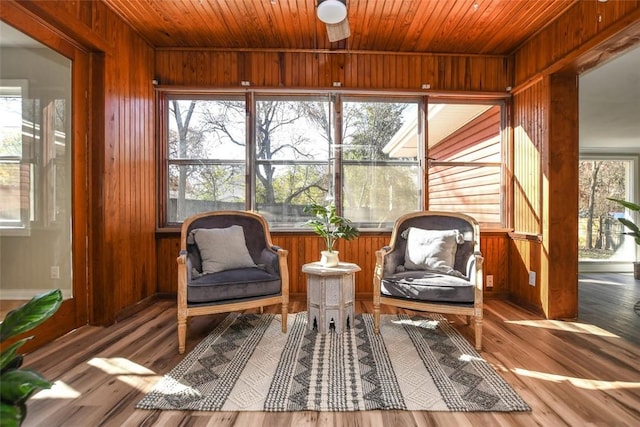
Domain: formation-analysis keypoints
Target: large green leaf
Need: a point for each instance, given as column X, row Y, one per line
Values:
column 11, row 415
column 8, row 354
column 16, row 386
column 31, row 314
column 634, row 228
column 626, row 204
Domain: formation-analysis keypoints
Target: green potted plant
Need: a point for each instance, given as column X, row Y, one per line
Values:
column 633, row 230
column 17, row 384
column 327, row 224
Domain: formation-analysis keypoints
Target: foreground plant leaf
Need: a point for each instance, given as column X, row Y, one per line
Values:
column 11, row 415
column 17, row 385
column 30, row 315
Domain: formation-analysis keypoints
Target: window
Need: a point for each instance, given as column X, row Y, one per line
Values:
column 465, row 160
column 36, row 146
column 600, row 234
column 206, row 156
column 293, row 149
column 380, row 169
column 275, row 153
column 16, row 172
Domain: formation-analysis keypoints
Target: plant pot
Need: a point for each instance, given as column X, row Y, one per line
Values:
column 329, row 259
column 636, row 270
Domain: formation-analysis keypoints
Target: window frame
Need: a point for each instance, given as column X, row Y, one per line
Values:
column 504, row 165
column 337, row 99
column 27, row 189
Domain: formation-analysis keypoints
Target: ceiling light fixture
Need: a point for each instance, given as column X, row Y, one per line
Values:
column 332, row 11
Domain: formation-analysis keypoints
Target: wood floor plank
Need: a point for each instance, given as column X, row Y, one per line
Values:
column 571, row 373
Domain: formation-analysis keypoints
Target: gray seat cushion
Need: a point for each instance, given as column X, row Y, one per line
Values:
column 232, row 284
column 427, row 286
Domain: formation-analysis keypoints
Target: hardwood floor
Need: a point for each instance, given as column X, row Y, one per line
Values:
column 570, row 373
column 607, row 300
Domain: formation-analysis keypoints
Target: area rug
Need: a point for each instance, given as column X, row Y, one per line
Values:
column 415, row 363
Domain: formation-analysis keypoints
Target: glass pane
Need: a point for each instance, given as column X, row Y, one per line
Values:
column 206, row 188
column 292, row 155
column 35, row 170
column 465, row 171
column 600, row 234
column 10, row 209
column 207, row 145
column 380, row 162
column 376, row 194
column 474, row 191
column 294, row 186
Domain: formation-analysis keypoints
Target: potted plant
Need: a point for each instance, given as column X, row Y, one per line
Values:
column 327, row 224
column 19, row 384
column 633, row 230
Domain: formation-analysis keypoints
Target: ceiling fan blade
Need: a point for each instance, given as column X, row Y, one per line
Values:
column 338, row 31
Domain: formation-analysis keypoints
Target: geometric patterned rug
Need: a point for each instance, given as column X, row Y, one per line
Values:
column 416, row 363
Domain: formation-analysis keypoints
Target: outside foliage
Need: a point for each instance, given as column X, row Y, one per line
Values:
column 600, row 233
column 293, row 158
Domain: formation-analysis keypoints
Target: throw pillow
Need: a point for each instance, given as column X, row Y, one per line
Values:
column 431, row 249
column 222, row 249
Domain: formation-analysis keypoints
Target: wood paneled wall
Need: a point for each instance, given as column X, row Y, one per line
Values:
column 356, row 70
column 122, row 164
column 545, row 205
column 580, row 29
column 530, row 120
column 304, row 248
column 545, row 150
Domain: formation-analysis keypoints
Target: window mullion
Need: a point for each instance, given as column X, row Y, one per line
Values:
column 250, row 170
column 336, row 105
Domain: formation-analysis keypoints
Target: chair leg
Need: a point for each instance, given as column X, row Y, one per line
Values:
column 285, row 309
column 376, row 318
column 478, row 327
column 182, row 334
column 261, row 310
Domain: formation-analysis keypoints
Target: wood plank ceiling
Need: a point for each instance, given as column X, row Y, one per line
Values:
column 488, row 27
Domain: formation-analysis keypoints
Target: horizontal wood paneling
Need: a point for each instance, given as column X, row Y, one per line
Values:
column 305, row 248
column 224, row 69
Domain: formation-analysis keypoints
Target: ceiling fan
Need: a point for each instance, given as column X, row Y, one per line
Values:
column 334, row 14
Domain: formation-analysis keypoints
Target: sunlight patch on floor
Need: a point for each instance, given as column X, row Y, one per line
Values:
column 59, row 390
column 420, row 323
column 583, row 383
column 601, row 282
column 128, row 372
column 559, row 325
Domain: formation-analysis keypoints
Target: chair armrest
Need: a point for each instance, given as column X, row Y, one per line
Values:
column 474, row 264
column 271, row 259
column 393, row 258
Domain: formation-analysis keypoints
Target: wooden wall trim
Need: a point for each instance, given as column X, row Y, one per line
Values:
column 571, row 40
column 391, row 71
column 330, row 51
column 77, row 26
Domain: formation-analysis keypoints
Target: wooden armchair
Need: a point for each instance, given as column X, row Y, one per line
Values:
column 433, row 263
column 227, row 263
